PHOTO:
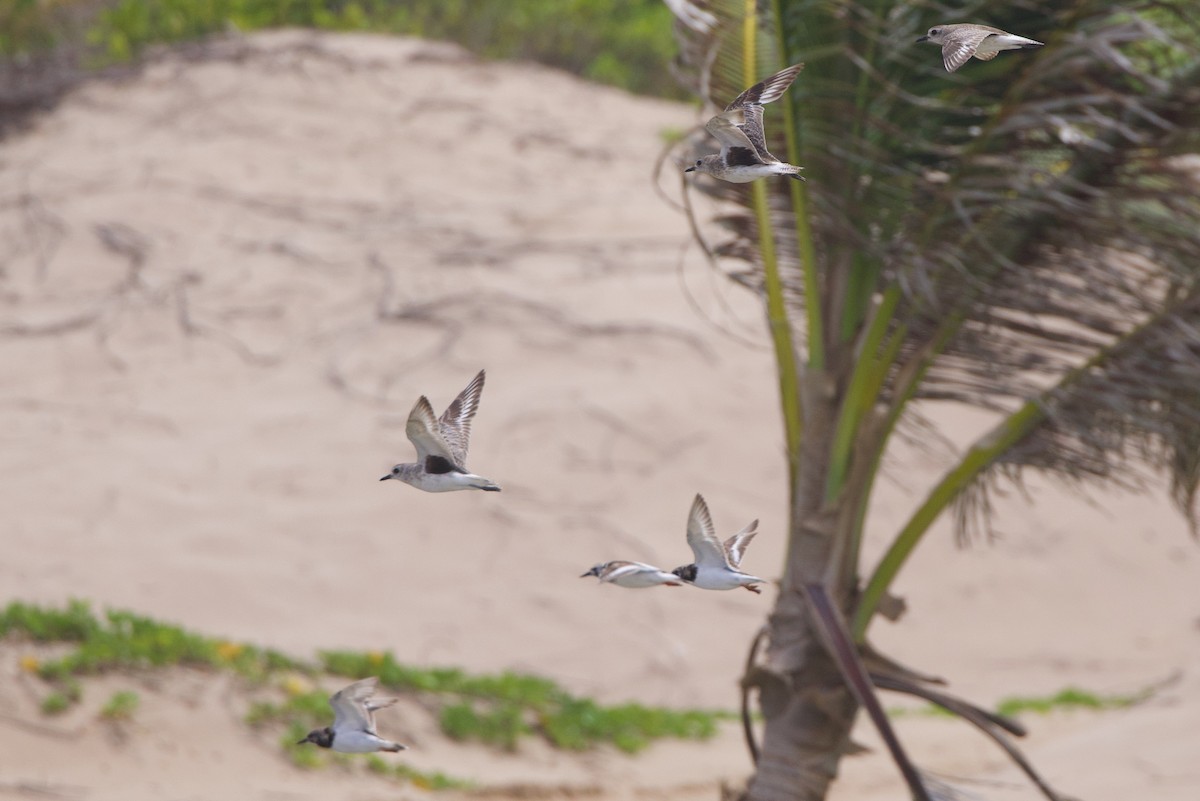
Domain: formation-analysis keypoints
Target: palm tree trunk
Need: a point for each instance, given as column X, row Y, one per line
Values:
column 809, row 713
column 807, row 707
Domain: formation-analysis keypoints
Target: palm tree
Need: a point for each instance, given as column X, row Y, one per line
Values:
column 1022, row 235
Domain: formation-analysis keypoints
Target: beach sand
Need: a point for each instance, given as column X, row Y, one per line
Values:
column 225, row 280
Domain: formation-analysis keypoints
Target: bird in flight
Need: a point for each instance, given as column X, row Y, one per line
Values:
column 716, row 565
column 353, row 729
column 634, row 575
column 961, row 41
column 739, row 128
column 441, row 444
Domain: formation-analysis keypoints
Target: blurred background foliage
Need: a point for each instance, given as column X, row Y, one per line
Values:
column 46, row 45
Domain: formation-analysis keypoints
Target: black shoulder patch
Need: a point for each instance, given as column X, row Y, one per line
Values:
column 741, row 157
column 440, row 464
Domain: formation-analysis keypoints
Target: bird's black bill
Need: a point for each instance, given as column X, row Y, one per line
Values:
column 690, row 169
column 385, row 478
column 302, row 742
column 922, row 39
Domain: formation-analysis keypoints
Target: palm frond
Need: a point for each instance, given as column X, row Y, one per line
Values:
column 1033, row 211
column 1132, row 413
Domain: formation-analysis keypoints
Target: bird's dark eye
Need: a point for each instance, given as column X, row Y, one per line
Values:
column 699, row 162
column 934, row 31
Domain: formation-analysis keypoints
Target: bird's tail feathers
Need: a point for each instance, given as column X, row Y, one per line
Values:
column 792, row 171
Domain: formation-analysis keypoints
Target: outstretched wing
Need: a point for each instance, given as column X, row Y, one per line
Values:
column 425, row 433
column 752, row 126
column 374, row 704
column 702, row 537
column 767, row 90
column 735, row 546
column 746, row 113
column 961, row 44
column 350, row 710
column 736, row 147
column 454, row 426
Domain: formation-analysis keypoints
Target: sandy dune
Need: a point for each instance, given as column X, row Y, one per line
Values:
column 224, row 282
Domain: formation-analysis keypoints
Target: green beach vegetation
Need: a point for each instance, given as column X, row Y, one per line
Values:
column 624, row 43
column 1068, row 699
column 495, row 709
column 498, row 710
column 120, row 706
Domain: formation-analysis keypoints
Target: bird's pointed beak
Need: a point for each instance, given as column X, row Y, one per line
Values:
column 385, row 478
column 690, row 169
column 922, row 39
column 302, row 742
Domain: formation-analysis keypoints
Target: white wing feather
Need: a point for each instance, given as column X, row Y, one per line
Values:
column 423, row 432
column 702, row 537
column 735, row 546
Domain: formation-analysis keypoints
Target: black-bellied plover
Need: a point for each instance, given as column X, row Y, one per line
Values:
column 442, row 444
column 739, row 128
column 353, row 729
column 962, row 40
column 716, row 565
column 634, row 575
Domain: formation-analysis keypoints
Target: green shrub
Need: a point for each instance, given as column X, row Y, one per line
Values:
column 73, row 624
column 434, row 780
column 121, row 706
column 579, row 723
column 502, row 725
column 1068, row 698
column 496, row 709
column 625, row 43
column 55, row 703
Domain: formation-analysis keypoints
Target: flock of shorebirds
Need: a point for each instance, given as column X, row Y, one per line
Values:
column 441, row 466
column 739, row 128
column 442, row 442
